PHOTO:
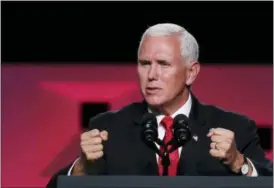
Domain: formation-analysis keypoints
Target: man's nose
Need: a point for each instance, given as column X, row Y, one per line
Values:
column 153, row 72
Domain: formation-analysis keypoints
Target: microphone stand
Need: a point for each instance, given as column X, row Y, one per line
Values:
column 165, row 161
column 165, row 155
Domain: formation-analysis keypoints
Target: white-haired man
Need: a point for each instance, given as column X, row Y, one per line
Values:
column 225, row 143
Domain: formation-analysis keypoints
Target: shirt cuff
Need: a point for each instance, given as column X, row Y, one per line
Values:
column 69, row 172
column 254, row 171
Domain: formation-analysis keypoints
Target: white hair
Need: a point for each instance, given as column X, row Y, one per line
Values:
column 188, row 45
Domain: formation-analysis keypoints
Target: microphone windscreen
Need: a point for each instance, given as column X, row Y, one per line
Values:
column 149, row 118
column 181, row 128
column 181, row 119
column 149, row 127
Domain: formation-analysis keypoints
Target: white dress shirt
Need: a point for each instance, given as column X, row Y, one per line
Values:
column 185, row 109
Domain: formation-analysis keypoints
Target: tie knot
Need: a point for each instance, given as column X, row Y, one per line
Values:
column 167, row 122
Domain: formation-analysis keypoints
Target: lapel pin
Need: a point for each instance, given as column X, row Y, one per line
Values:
column 195, row 137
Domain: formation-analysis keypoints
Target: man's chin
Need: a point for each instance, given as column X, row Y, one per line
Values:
column 154, row 102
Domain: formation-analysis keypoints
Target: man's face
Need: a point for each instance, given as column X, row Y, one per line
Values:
column 161, row 70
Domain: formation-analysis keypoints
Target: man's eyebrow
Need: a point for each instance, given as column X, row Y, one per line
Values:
column 161, row 61
column 143, row 61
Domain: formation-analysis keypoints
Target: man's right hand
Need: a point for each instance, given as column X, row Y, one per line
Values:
column 92, row 144
column 92, row 148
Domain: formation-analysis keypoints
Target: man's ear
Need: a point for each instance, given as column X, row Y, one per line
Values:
column 192, row 72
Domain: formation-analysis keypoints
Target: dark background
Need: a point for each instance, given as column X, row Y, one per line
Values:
column 88, row 32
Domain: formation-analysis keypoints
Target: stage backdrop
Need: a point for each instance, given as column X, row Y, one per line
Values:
column 45, row 107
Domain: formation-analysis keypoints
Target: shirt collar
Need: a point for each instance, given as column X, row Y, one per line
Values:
column 185, row 110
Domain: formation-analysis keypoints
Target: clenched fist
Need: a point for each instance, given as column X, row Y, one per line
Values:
column 223, row 146
column 92, row 144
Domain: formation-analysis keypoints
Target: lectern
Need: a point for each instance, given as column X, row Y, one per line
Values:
column 164, row 182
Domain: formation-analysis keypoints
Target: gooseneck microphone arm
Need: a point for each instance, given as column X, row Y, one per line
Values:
column 155, row 148
column 163, row 155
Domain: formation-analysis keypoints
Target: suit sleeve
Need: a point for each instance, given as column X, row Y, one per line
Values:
column 53, row 181
column 253, row 151
column 97, row 122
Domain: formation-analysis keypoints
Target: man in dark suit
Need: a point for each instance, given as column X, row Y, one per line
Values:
column 223, row 143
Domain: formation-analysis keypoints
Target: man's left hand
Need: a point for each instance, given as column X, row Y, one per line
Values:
column 223, row 146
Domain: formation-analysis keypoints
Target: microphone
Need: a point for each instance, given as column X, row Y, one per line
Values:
column 149, row 128
column 182, row 131
column 149, row 132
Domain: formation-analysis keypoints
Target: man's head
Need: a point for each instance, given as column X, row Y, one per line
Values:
column 167, row 64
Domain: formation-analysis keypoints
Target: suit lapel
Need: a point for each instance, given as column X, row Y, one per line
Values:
column 145, row 155
column 190, row 153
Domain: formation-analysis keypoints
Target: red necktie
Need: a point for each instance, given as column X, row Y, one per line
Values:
column 167, row 122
